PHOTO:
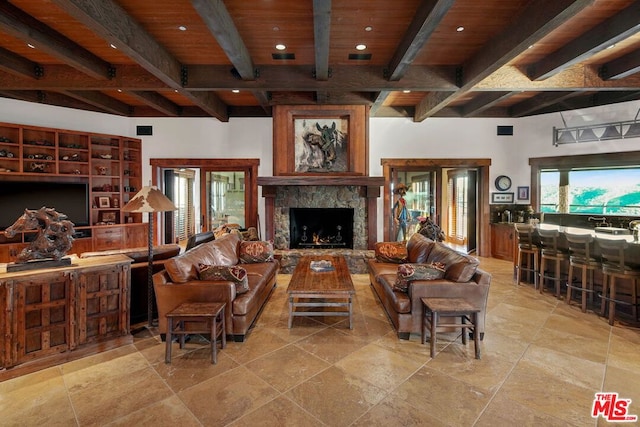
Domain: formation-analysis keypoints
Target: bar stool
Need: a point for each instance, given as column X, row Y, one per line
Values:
column 549, row 252
column 614, row 267
column 580, row 257
column 528, row 252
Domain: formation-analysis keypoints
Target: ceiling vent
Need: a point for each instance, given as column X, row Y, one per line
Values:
column 360, row 56
column 280, row 56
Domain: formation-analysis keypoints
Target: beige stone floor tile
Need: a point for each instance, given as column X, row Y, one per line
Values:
column 105, row 372
column 534, row 387
column 257, row 343
column 170, row 411
column 280, row 412
column 336, row 398
column 331, row 344
column 452, row 401
column 503, row 346
column 572, row 342
column 571, row 369
column 398, row 413
column 302, row 327
column 411, row 348
column 287, row 367
column 379, row 366
column 103, row 402
column 625, row 383
column 227, row 397
column 459, row 362
column 36, row 399
column 99, row 358
column 624, row 354
column 193, row 368
column 503, row 411
column 366, row 327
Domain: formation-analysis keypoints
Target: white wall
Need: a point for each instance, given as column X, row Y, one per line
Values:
column 388, row 137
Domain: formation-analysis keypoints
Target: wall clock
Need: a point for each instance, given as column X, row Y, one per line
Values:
column 503, row 183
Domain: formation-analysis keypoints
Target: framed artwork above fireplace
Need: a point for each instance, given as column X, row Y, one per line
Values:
column 320, row 140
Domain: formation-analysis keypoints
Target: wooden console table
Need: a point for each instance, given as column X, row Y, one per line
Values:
column 54, row 315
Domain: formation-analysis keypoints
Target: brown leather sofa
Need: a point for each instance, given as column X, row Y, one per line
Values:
column 462, row 279
column 138, row 308
column 180, row 283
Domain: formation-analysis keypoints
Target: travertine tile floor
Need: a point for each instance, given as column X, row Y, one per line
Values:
column 542, row 362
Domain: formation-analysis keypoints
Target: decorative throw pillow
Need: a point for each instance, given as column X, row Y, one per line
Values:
column 395, row 252
column 255, row 251
column 235, row 274
column 407, row 273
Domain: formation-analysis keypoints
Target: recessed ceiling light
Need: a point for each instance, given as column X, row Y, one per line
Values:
column 31, row 46
column 280, row 46
column 368, row 28
column 611, row 47
column 182, row 28
column 406, row 91
column 460, row 29
column 361, row 46
column 276, row 28
column 113, row 46
column 530, row 47
column 235, row 90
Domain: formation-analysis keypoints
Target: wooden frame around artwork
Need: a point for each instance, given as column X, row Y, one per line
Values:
column 291, row 123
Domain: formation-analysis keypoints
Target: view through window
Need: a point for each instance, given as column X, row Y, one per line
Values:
column 611, row 191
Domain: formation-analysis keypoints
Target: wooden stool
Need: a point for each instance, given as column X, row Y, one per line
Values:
column 549, row 252
column 528, row 253
column 449, row 307
column 210, row 312
column 581, row 258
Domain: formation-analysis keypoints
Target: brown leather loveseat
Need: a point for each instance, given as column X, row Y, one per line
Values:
column 181, row 281
column 462, row 279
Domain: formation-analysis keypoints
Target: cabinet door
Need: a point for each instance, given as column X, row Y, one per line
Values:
column 108, row 238
column 103, row 303
column 43, row 316
column 137, row 235
column 502, row 241
column 82, row 245
column 5, row 329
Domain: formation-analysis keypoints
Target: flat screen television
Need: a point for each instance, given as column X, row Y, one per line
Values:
column 69, row 198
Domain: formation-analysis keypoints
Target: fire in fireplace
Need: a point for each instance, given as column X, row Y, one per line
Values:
column 324, row 228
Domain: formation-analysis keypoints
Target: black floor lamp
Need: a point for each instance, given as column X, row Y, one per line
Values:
column 151, row 200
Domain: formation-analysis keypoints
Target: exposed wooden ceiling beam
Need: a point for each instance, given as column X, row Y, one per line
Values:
column 50, row 98
column 321, row 34
column 622, row 67
column 538, row 102
column 537, row 20
column 611, row 31
column 381, row 97
column 101, row 101
column 427, row 18
column 157, row 102
column 24, row 27
column 483, row 101
column 107, row 19
column 18, row 65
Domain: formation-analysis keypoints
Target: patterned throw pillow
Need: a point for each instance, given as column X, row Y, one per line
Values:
column 407, row 273
column 255, row 251
column 395, row 252
column 235, row 274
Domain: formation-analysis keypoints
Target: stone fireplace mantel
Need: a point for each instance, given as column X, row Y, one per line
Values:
column 369, row 188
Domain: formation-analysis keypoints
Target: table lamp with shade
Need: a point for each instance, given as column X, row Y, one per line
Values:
column 151, row 200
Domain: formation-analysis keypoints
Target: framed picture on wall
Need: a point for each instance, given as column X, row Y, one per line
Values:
column 501, row 197
column 523, row 193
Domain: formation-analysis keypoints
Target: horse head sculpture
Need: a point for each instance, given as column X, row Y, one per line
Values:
column 54, row 238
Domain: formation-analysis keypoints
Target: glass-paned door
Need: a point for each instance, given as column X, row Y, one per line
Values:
column 225, row 198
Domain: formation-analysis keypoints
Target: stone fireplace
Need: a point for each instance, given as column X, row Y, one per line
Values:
column 357, row 193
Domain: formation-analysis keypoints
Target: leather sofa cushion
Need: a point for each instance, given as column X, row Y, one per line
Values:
column 418, row 248
column 400, row 300
column 258, row 274
column 460, row 267
column 222, row 251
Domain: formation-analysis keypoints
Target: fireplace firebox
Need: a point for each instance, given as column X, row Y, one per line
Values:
column 324, row 228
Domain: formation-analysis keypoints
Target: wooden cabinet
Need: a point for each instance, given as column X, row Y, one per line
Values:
column 503, row 238
column 109, row 165
column 57, row 314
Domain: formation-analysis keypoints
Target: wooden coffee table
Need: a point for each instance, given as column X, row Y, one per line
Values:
column 309, row 288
